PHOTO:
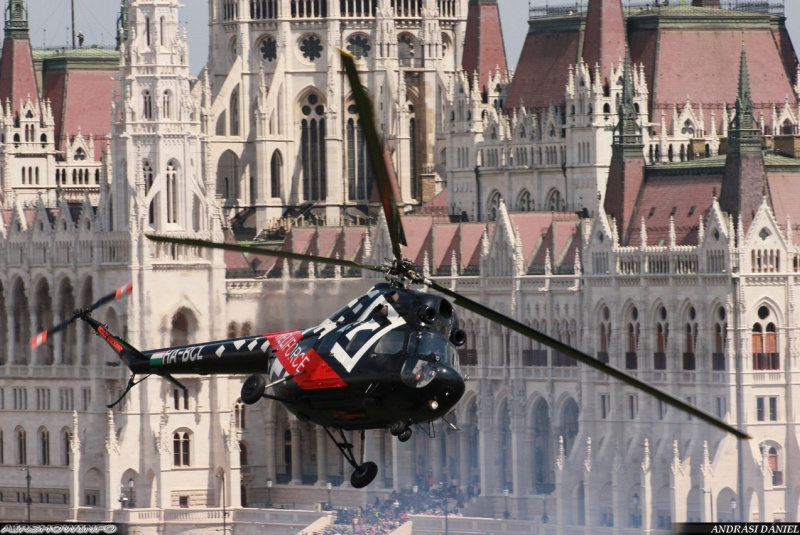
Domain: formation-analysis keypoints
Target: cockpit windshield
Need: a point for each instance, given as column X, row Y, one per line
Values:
column 433, row 346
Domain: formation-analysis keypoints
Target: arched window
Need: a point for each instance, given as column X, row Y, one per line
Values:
column 720, row 334
column 765, row 342
column 406, row 51
column 234, row 113
column 44, row 447
column 554, row 202
column 312, row 149
column 147, row 105
column 690, row 331
column 21, row 446
column 147, row 30
column 181, row 442
column 359, row 168
column 166, row 104
column 525, row 203
column 662, row 337
column 239, row 414
column 242, row 454
column 275, row 171
column 66, row 447
column 493, row 209
column 631, row 358
column 172, row 184
column 180, row 329
column 162, row 32
column 149, row 177
column 772, row 461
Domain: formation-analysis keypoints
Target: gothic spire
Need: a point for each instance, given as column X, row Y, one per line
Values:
column 745, row 178
column 484, row 51
column 628, row 131
column 18, row 80
column 743, row 127
column 122, row 23
column 604, row 42
column 17, row 20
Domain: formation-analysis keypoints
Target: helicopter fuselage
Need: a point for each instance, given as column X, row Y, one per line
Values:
column 387, row 356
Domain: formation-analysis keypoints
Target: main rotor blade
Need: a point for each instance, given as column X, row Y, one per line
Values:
column 40, row 338
column 380, row 159
column 514, row 325
column 266, row 252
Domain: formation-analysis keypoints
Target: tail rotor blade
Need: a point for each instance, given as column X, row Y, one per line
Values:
column 41, row 338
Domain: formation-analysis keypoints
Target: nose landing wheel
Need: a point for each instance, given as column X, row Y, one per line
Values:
column 401, row 430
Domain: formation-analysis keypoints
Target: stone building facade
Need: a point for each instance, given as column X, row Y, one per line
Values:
column 638, row 254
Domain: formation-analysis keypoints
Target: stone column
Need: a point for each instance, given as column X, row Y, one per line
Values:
column 233, row 477
column 269, row 433
column 464, row 455
column 112, row 475
column 590, row 516
column 619, row 498
column 436, row 454
column 680, row 485
column 706, row 482
column 521, row 459
column 560, row 491
column 11, row 357
column 297, row 460
column 647, row 491
column 379, row 456
column 488, row 447
column 75, row 468
column 322, row 457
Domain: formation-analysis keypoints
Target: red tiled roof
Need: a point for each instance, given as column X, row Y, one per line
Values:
column 484, row 51
column 445, row 241
column 685, row 197
column 354, row 243
column 541, row 76
column 471, row 241
column 532, row 227
column 17, row 76
column 714, row 80
column 604, row 38
column 785, row 196
column 87, row 105
column 234, row 260
column 418, row 236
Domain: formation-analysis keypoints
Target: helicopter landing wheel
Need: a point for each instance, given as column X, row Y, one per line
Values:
column 405, row 435
column 398, row 428
column 253, row 388
column 364, row 475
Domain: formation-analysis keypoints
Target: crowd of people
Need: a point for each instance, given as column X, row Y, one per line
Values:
column 384, row 516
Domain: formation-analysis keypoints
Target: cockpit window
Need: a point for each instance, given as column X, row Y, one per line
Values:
column 391, row 343
column 452, row 354
column 430, row 345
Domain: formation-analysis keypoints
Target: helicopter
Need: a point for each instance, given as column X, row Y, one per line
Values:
column 386, row 360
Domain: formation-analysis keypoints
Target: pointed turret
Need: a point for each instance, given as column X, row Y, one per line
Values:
column 745, row 179
column 484, row 51
column 17, row 75
column 604, row 40
column 626, row 174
